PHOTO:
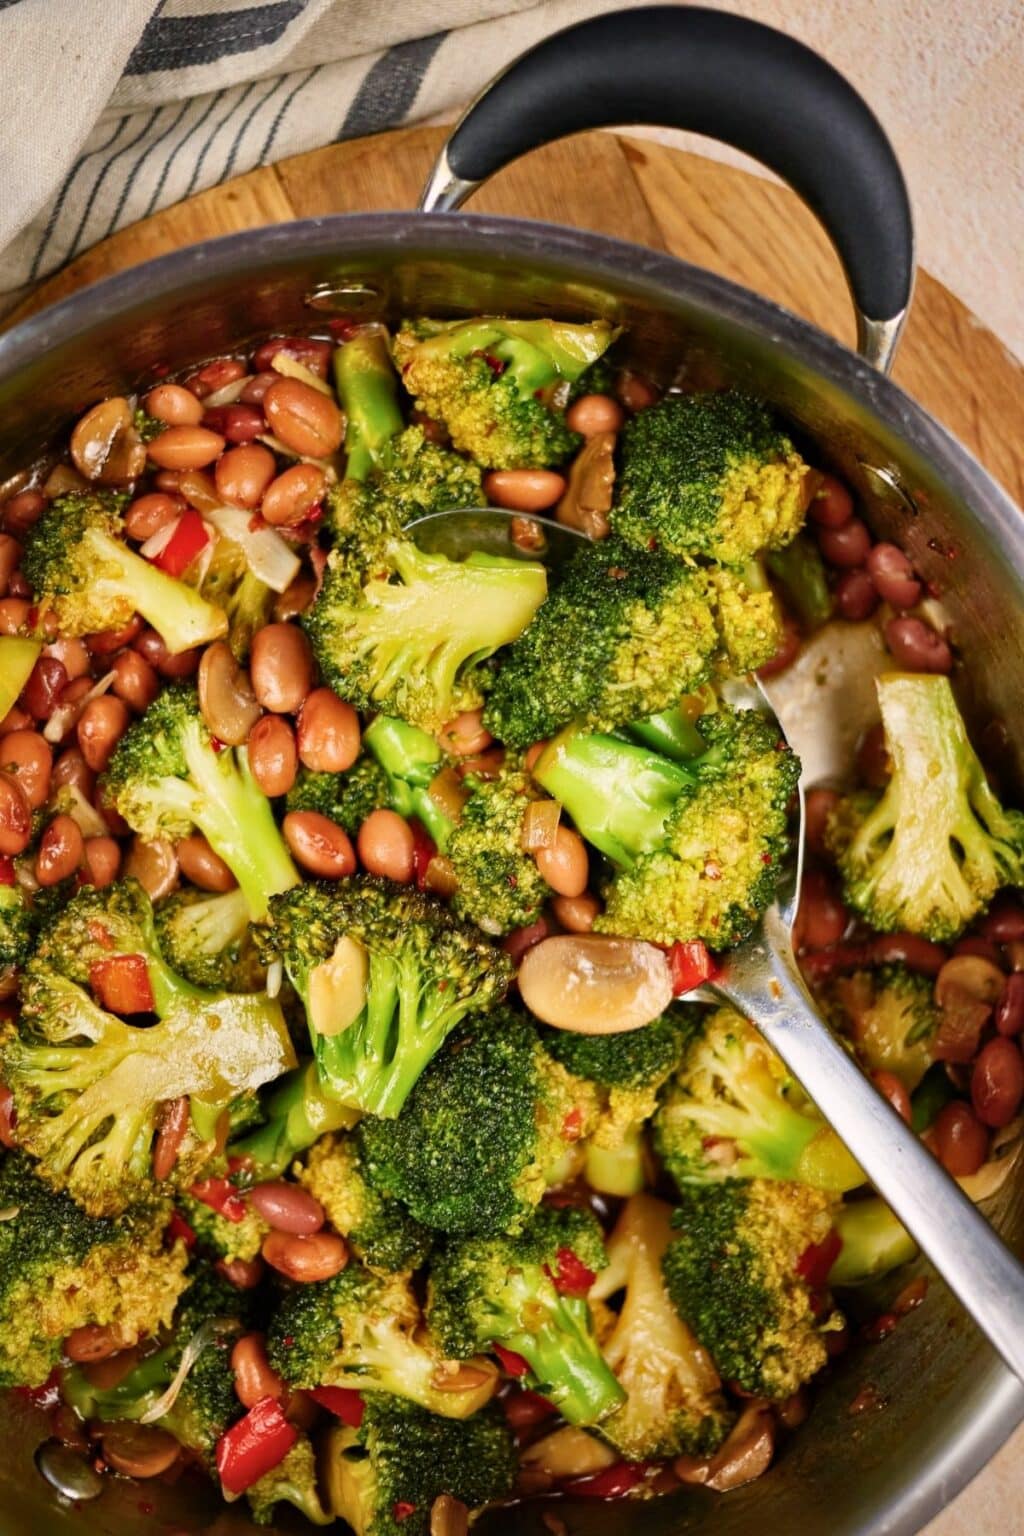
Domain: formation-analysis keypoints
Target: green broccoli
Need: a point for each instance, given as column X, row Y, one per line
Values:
column 85, row 577
column 674, row 1405
column 220, row 1235
column 873, row 1242
column 298, row 1112
column 61, row 1270
column 928, row 854
column 412, row 646
column 627, row 1071
column 89, row 1087
column 207, row 939
column 891, row 1017
column 697, row 846
column 18, row 926
column 747, row 617
column 528, row 1295
column 345, row 798
column 365, row 1331
column 491, row 381
column 733, row 1112
column 208, row 1318
column 232, row 586
column 18, row 655
column 709, row 474
column 379, row 1230
column 491, row 1124
column 293, row 1481
column 623, row 634
column 168, row 778
column 385, row 974
column 734, row 1274
column 385, row 1477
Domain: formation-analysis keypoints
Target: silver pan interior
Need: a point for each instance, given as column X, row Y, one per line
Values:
column 948, row 1402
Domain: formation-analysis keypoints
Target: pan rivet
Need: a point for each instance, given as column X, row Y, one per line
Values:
column 342, row 296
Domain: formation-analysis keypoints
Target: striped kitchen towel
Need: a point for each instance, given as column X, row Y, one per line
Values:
column 116, row 108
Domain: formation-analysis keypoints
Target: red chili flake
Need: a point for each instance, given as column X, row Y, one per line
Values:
column 766, row 858
column 514, row 1364
column 402, row 1509
column 613, row 1483
column 572, row 1277
column 217, row 745
column 572, row 1125
column 815, row 1263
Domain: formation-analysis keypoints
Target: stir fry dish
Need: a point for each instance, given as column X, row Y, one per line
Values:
column 320, row 1181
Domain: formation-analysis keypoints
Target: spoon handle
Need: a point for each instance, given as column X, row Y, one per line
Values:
column 762, row 980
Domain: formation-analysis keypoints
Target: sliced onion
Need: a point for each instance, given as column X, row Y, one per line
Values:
column 158, row 542
column 62, row 479
column 440, row 877
column 540, row 825
column 448, row 793
column 213, row 1329
column 199, row 491
column 228, row 394
column 329, row 466
column 1002, row 1159
column 65, row 715
column 275, row 977
column 85, row 816
column 267, row 555
column 291, row 368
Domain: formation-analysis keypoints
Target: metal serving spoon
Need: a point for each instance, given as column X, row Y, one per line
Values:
column 761, row 979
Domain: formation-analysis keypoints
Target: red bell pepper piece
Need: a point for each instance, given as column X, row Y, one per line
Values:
column 423, row 850
column 689, row 965
column 572, row 1125
column 188, row 540
column 514, row 1364
column 221, row 1196
column 177, row 1227
column 7, row 875
column 344, row 1402
column 815, row 1263
column 121, row 984
column 613, row 1483
column 523, row 1409
column 402, row 1509
column 254, row 1446
column 572, row 1277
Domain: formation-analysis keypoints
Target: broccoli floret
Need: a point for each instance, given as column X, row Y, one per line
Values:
column 61, row 1270
column 627, row 1071
column 207, row 939
column 379, row 1229
column 890, row 1016
column 733, row 1112
column 411, row 646
column 928, row 854
column 422, row 478
column 385, row 974
column 167, row 778
column 365, row 1331
column 89, row 1088
column 734, row 1275
column 345, row 798
column 490, row 381
column 86, row 578
column 236, row 1236
column 293, row 1481
column 208, row 1318
column 528, row 1294
column 490, row 1125
column 674, row 1405
column 18, row 926
column 709, row 474
column 623, row 634
column 873, row 1242
column 298, row 1112
column 18, row 655
column 698, row 845
column 747, row 617
column 230, row 585
column 385, row 1477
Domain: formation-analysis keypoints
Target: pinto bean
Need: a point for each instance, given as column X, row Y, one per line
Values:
column 174, row 405
column 243, row 474
column 255, row 1378
column 273, row 756
column 635, row 392
column 387, row 847
column 154, row 865
column 281, row 667
column 15, row 817
column 307, row 422
column 10, row 559
column 152, row 649
column 102, row 861
column 576, row 914
column 327, row 733
column 202, row 866
column 185, row 448
column 466, row 735
column 139, row 1450
column 135, row 681
column 106, row 641
column 243, row 1274
column 293, row 494
column 305, row 1259
column 28, row 758
column 319, row 844
column 14, row 612
column 71, row 769
column 61, row 850
column 591, row 414
column 997, row 1082
column 287, row 1207
column 524, row 490
column 564, row 865
column 101, row 725
column 22, row 512
column 174, row 1123
column 94, row 1341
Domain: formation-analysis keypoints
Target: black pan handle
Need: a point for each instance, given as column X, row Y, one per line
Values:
column 729, row 78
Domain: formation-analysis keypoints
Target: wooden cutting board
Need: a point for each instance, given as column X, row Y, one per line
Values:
column 739, row 225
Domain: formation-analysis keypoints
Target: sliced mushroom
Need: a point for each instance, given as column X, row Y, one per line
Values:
column 226, row 698
column 972, row 974
column 105, row 446
column 747, row 1452
column 337, row 988
column 594, row 985
column 568, row 1452
column 588, row 496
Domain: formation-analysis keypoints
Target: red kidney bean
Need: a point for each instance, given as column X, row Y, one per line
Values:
column 856, row 597
column 319, row 844
column 822, row 917
column 818, row 807
column 243, row 1274
column 520, row 940
column 287, row 1207
column 10, row 559
column 46, row 680
column 908, row 949
column 916, row 646
column 215, row 375
column 1009, row 1015
column 23, row 511
column 257, row 387
column 18, row 586
column 635, row 392
column 893, row 575
column 314, row 355
column 997, row 1082
column 1005, row 921
column 873, row 766
column 831, row 505
column 305, row 1259
column 174, row 1125
column 788, row 651
column 984, row 949
column 106, row 641
column 150, row 646
column 8, row 1118
column 15, row 817
column 891, row 1088
column 239, row 424
column 961, row 1141
column 846, row 546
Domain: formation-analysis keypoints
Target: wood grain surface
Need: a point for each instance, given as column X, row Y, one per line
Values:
column 741, row 226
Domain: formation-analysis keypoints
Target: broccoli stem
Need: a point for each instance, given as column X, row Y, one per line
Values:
column 180, row 616
column 874, row 1243
column 617, row 1171
column 411, row 759
column 618, row 794
column 17, row 658
column 234, row 816
column 299, row 1113
column 368, row 390
column 563, row 1355
column 671, row 733
column 800, row 572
